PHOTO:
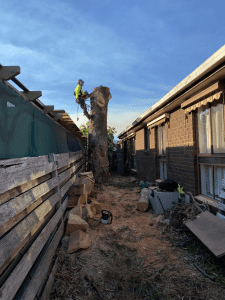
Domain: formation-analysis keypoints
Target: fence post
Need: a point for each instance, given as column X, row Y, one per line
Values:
column 51, row 158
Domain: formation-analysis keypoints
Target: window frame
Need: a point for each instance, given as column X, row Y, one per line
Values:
column 147, row 138
column 163, row 134
column 161, row 157
column 209, row 157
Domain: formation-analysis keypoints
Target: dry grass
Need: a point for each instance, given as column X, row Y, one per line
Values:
column 131, row 260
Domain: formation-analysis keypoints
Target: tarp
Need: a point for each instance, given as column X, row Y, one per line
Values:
column 25, row 131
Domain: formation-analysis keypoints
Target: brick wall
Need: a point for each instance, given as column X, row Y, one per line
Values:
column 181, row 158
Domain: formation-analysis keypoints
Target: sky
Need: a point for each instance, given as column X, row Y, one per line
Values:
column 140, row 49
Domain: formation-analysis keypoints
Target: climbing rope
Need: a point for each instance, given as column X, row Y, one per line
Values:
column 77, row 112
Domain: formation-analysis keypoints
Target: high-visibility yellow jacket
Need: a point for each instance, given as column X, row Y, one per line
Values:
column 78, row 91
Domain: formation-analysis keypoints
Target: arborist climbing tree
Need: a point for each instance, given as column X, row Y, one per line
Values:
column 81, row 97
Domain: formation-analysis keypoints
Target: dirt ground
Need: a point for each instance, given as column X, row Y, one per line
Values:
column 135, row 257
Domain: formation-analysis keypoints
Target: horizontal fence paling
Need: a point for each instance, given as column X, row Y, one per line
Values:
column 13, row 283
column 42, row 270
column 11, row 243
column 25, row 187
column 50, row 281
column 15, row 206
column 15, row 176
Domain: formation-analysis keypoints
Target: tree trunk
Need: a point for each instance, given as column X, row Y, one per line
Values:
column 97, row 136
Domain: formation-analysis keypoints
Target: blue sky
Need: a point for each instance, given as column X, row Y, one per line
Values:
column 139, row 49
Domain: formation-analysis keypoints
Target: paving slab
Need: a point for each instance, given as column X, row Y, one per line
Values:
column 211, row 232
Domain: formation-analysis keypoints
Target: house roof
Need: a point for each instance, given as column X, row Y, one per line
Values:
column 207, row 67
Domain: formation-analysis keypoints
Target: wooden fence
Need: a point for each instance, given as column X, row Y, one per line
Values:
column 33, row 210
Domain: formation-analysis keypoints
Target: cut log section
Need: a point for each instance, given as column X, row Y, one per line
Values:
column 97, row 206
column 143, row 201
column 73, row 201
column 75, row 223
column 79, row 240
column 91, row 210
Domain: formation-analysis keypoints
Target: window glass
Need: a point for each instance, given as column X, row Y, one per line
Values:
column 206, row 180
column 219, row 174
column 165, row 170
column 160, row 139
column 203, row 129
column 161, row 170
column 218, row 128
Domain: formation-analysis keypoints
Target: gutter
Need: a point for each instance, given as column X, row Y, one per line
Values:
column 203, row 71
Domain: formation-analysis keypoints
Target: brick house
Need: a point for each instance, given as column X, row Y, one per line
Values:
column 182, row 136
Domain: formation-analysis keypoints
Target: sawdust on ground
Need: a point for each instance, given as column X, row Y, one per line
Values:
column 130, row 258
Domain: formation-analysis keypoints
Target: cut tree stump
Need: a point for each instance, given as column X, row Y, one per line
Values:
column 144, row 200
column 97, row 135
column 79, row 240
column 75, row 223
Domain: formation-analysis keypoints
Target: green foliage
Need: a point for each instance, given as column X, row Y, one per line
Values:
column 110, row 136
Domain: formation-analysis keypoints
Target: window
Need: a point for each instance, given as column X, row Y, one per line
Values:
column 162, row 170
column 161, row 140
column 147, row 132
column 217, row 145
column 211, row 143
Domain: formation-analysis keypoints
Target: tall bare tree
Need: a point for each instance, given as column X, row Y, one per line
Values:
column 97, row 138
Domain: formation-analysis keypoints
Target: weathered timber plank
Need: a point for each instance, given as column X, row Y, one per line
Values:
column 64, row 162
column 63, row 176
column 42, row 270
column 13, row 207
column 211, row 232
column 12, row 284
column 49, row 284
column 13, row 221
column 12, row 253
column 12, row 180
column 22, row 188
column 11, row 243
column 19, row 164
column 66, row 187
column 66, row 178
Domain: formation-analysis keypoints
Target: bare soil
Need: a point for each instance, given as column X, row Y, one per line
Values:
column 135, row 257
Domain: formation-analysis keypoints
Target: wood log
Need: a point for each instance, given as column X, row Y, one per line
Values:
column 73, row 201
column 91, row 210
column 144, row 200
column 79, row 240
column 97, row 206
column 75, row 223
column 78, row 189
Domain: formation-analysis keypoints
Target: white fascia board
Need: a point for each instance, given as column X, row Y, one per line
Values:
column 166, row 115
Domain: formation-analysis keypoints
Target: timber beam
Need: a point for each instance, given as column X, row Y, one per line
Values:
column 48, row 108
column 32, row 95
column 58, row 111
column 57, row 117
column 9, row 72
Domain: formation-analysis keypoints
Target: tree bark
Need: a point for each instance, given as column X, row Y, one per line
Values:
column 97, row 136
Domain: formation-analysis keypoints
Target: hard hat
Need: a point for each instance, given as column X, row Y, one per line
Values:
column 80, row 81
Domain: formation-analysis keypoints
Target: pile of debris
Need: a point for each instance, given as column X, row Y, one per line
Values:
column 82, row 195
